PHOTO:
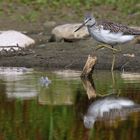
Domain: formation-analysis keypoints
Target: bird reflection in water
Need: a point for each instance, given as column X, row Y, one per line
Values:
column 109, row 108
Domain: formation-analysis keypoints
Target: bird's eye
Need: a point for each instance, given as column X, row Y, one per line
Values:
column 89, row 19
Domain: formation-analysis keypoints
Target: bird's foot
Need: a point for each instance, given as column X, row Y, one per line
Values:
column 99, row 47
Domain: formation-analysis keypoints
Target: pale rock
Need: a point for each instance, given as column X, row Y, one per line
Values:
column 136, row 28
column 14, row 38
column 66, row 32
column 137, row 39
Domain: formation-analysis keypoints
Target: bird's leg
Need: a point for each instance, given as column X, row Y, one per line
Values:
column 106, row 46
column 113, row 79
column 114, row 85
column 113, row 61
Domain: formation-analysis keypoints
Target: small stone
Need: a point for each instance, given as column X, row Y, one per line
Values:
column 129, row 55
column 136, row 28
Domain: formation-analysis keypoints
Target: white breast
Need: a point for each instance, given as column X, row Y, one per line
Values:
column 105, row 36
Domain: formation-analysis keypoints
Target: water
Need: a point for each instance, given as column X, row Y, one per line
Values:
column 40, row 105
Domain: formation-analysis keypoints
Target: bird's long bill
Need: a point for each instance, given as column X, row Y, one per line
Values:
column 80, row 27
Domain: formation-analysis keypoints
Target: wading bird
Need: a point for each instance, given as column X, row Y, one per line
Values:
column 109, row 33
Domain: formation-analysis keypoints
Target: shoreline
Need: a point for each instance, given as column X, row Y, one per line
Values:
column 65, row 55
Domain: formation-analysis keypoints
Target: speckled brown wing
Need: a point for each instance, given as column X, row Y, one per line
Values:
column 115, row 27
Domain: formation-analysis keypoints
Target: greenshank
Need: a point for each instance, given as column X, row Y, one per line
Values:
column 109, row 33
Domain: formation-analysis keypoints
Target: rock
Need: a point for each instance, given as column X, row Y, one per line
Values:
column 136, row 28
column 137, row 39
column 66, row 32
column 14, row 39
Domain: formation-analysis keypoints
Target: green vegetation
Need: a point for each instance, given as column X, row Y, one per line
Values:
column 128, row 6
column 71, row 10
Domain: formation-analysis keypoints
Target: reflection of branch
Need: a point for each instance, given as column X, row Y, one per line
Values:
column 89, row 87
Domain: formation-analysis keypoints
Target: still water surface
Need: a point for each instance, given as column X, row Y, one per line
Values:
column 58, row 105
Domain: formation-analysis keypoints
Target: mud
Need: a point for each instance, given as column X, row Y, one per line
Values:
column 65, row 55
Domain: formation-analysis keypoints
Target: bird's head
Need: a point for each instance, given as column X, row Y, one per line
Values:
column 89, row 121
column 89, row 21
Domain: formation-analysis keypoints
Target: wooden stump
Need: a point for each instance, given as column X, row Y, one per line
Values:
column 89, row 66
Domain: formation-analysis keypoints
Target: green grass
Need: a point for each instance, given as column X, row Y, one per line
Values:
column 127, row 6
column 32, row 9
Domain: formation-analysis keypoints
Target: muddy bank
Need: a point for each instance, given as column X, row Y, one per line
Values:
column 66, row 55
